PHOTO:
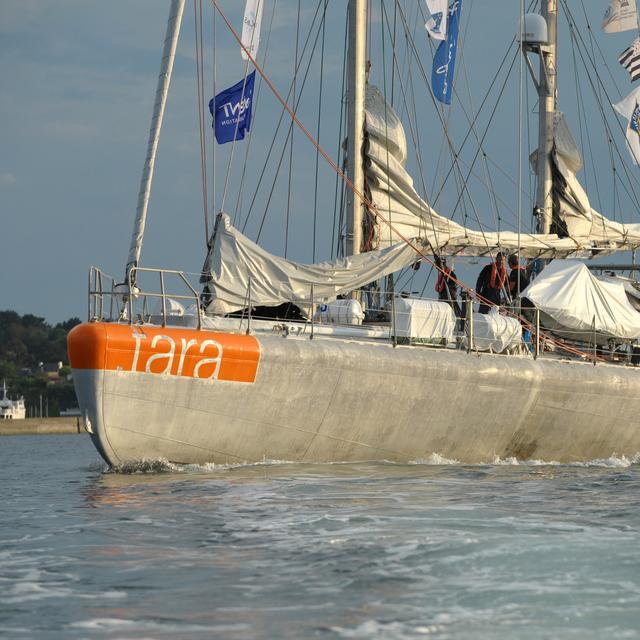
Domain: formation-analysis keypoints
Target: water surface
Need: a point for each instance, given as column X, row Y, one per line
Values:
column 277, row 550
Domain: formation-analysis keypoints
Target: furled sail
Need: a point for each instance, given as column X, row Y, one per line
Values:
column 396, row 200
column 237, row 271
column 572, row 209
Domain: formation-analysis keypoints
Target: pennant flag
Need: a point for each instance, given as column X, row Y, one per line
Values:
column 629, row 109
column 231, row 110
column 630, row 60
column 621, row 15
column 436, row 25
column 445, row 59
column 251, row 28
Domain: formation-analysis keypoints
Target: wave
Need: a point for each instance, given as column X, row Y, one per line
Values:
column 162, row 465
column 614, row 462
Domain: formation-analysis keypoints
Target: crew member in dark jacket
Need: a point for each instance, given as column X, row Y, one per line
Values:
column 446, row 286
column 491, row 283
column 518, row 279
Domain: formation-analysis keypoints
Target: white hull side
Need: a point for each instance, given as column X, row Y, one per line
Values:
column 335, row 400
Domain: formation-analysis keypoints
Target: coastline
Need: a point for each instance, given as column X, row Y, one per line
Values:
column 40, row 426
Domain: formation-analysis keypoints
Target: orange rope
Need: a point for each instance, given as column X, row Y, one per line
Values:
column 370, row 205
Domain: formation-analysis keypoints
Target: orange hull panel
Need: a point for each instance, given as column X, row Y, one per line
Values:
column 171, row 351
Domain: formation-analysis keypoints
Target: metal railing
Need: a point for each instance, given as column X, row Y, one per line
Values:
column 132, row 303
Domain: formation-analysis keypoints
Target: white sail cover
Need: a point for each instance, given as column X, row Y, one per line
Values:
column 234, row 262
column 569, row 293
column 397, row 201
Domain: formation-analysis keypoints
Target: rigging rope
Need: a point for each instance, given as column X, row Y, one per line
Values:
column 280, row 120
column 336, row 235
column 361, row 195
column 236, row 214
column 315, row 184
column 414, row 131
column 213, row 142
column 199, row 55
column 292, row 131
column 582, row 50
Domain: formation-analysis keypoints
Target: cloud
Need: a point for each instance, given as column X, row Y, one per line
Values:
column 8, row 179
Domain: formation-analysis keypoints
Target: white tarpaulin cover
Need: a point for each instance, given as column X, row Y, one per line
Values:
column 424, row 319
column 233, row 259
column 495, row 332
column 397, row 201
column 569, row 293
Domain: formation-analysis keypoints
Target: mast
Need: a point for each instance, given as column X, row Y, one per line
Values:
column 356, row 76
column 162, row 90
column 547, row 109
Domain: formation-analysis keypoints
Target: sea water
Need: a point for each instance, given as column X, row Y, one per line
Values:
column 432, row 549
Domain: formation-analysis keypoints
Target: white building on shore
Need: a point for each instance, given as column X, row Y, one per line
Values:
column 11, row 409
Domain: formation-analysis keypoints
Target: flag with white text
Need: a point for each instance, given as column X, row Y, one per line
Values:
column 445, row 59
column 231, row 110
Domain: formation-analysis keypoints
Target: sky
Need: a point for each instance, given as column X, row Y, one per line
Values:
column 78, row 83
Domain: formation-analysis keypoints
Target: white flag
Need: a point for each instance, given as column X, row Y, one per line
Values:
column 436, row 25
column 251, row 27
column 621, row 15
column 630, row 111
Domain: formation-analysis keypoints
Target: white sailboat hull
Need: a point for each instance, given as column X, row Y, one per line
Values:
column 331, row 399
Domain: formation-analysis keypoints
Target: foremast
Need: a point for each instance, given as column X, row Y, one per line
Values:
column 162, row 90
column 356, row 79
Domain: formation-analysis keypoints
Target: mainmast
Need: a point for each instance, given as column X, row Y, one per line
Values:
column 356, row 78
column 547, row 110
column 162, row 90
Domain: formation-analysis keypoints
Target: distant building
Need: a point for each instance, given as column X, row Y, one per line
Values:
column 73, row 411
column 52, row 369
column 11, row 409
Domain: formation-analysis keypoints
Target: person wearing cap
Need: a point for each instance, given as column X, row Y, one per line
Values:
column 491, row 283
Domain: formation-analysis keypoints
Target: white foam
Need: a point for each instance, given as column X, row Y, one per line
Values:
column 375, row 629
column 435, row 459
column 162, row 465
column 109, row 625
column 611, row 462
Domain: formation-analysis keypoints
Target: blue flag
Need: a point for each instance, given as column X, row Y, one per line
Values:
column 445, row 59
column 231, row 110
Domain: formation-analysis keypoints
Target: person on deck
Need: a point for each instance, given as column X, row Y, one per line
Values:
column 518, row 279
column 446, row 286
column 491, row 283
